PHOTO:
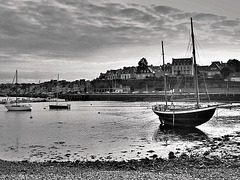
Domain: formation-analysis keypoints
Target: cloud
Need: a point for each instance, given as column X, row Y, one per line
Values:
column 207, row 17
column 227, row 31
column 166, row 10
column 50, row 35
column 230, row 23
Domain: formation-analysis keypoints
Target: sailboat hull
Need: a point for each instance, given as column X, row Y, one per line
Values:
column 18, row 108
column 189, row 117
column 59, row 106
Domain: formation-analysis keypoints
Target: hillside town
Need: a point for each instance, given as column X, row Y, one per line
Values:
column 143, row 78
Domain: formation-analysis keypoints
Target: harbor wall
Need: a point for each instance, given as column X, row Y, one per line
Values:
column 220, row 97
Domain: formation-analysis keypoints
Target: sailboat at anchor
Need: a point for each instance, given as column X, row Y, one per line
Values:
column 16, row 106
column 58, row 106
column 184, row 116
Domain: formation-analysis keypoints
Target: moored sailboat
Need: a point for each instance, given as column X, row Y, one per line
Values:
column 58, row 106
column 190, row 116
column 16, row 106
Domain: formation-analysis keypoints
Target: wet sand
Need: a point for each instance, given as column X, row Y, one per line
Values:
column 216, row 158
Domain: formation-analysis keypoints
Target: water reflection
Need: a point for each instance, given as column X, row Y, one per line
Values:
column 165, row 133
column 122, row 130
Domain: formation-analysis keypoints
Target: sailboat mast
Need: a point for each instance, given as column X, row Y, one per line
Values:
column 16, row 85
column 165, row 78
column 195, row 67
column 57, row 87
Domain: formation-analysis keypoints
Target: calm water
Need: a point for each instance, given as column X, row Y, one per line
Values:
column 100, row 130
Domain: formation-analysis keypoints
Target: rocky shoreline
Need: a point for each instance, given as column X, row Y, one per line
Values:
column 183, row 167
column 216, row 158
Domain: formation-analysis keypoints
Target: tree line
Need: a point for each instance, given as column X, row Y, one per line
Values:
column 233, row 66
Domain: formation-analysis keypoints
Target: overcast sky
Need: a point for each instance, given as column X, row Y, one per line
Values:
column 79, row 39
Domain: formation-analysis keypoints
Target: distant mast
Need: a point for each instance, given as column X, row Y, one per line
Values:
column 165, row 78
column 57, row 87
column 16, row 85
column 195, row 67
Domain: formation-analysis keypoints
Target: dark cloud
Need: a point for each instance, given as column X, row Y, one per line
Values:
column 207, row 17
column 137, row 15
column 227, row 30
column 182, row 15
column 230, row 23
column 166, row 10
column 223, row 32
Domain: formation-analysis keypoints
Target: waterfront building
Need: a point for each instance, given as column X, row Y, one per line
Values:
column 143, row 70
column 168, row 69
column 121, row 89
column 182, row 66
column 102, row 76
column 158, row 70
column 144, row 73
column 128, row 73
column 111, row 74
column 235, row 76
column 214, row 70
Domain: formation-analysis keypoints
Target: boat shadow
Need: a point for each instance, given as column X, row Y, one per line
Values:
column 190, row 134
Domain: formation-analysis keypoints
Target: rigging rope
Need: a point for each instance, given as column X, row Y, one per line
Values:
column 206, row 87
column 177, row 88
column 12, row 84
column 188, row 51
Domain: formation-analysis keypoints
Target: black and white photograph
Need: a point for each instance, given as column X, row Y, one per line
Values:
column 119, row 89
